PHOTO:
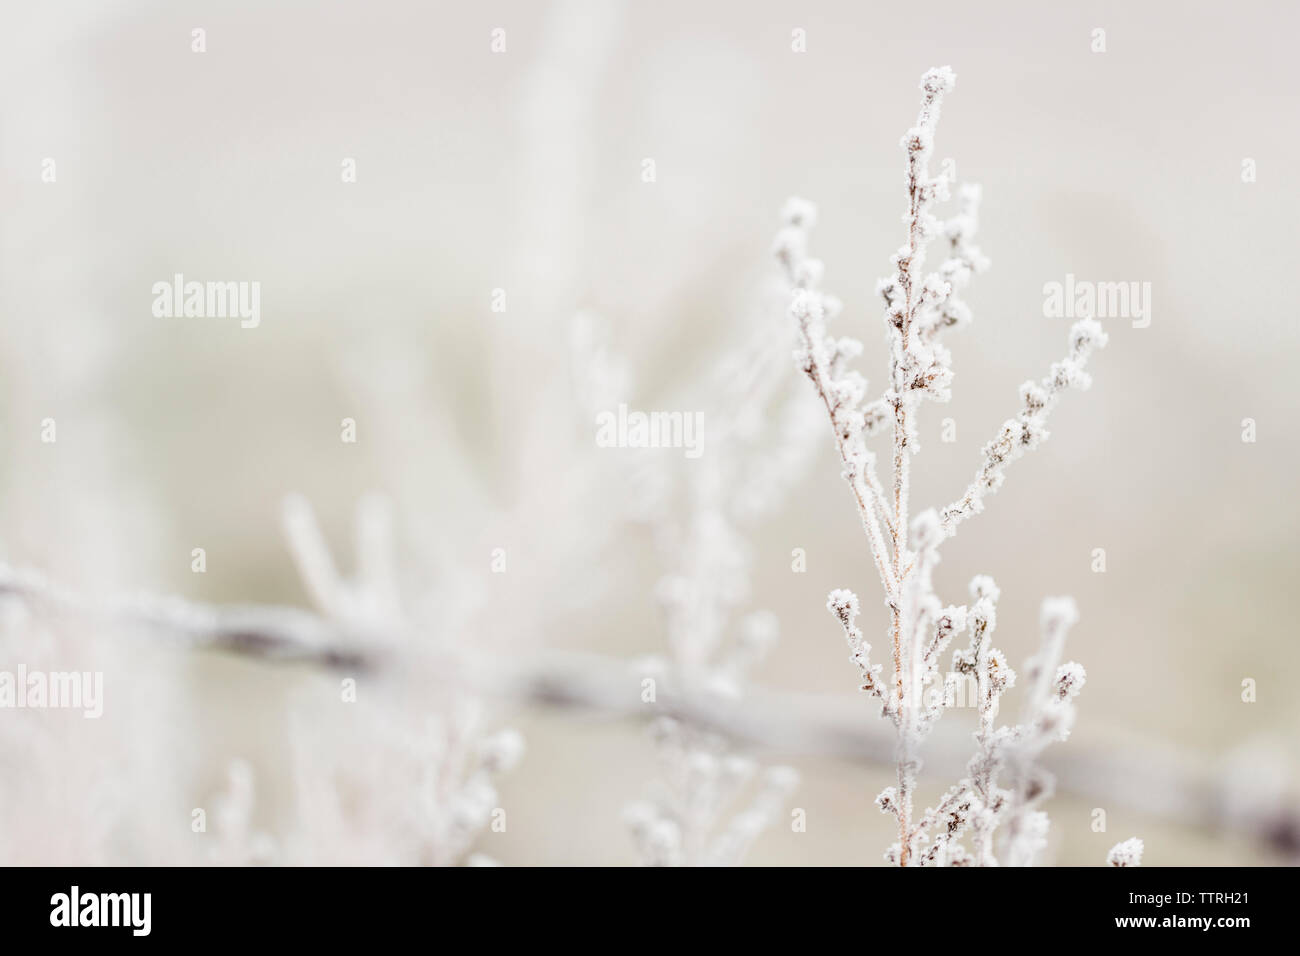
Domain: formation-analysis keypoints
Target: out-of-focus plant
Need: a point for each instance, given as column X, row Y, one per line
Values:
column 758, row 443
column 404, row 770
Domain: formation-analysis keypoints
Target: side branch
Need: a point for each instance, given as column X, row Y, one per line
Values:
column 1026, row 431
column 841, row 392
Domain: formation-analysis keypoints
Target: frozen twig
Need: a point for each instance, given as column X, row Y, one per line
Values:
column 273, row 633
column 1026, row 431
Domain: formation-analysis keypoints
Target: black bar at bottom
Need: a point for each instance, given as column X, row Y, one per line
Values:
column 370, row 905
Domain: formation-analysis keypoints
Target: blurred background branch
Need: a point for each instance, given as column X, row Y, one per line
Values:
column 1188, row 789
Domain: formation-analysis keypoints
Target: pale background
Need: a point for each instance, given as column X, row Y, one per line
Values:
column 522, row 171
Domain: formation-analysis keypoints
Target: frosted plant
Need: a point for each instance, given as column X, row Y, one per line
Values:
column 701, row 776
column 237, row 843
column 1126, row 853
column 919, row 308
column 712, row 646
column 701, row 780
column 457, row 796
column 375, row 785
column 1048, row 716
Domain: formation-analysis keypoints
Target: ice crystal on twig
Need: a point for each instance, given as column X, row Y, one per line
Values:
column 1126, row 853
